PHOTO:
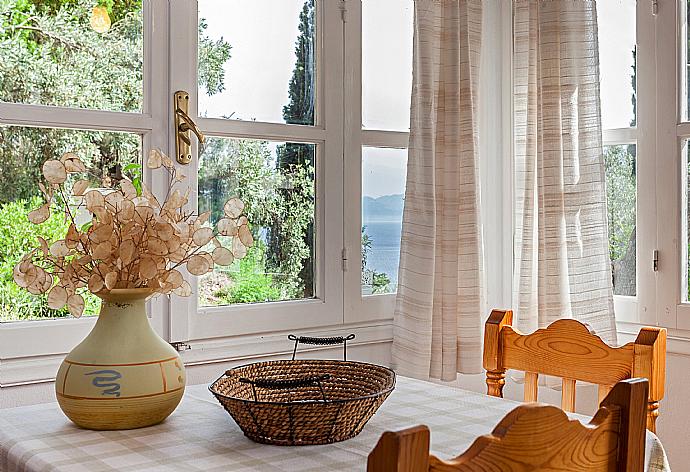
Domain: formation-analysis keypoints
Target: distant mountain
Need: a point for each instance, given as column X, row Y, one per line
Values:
column 386, row 208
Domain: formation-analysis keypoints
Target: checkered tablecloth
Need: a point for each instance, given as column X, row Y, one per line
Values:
column 200, row 436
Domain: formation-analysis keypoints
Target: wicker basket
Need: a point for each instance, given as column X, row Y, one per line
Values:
column 303, row 402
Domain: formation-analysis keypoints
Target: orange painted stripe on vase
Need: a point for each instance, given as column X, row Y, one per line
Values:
column 121, row 365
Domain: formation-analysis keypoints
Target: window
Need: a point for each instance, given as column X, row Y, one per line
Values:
column 72, row 78
column 386, row 60
column 617, row 23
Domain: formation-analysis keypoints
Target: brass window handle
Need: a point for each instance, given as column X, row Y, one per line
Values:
column 183, row 125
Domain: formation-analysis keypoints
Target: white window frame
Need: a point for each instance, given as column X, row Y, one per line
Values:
column 29, row 351
column 188, row 321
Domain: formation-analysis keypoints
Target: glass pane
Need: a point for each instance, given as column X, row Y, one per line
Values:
column 617, row 46
column 70, row 53
column 276, row 182
column 621, row 195
column 257, row 60
column 383, row 191
column 386, row 64
column 22, row 153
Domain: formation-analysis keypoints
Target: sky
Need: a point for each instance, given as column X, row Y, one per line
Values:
column 262, row 34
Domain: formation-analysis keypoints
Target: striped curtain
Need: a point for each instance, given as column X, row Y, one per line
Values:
column 561, row 267
column 440, row 301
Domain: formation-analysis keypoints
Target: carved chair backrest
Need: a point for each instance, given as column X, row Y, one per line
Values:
column 568, row 349
column 537, row 438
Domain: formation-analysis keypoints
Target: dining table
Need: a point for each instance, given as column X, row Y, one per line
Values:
column 201, row 436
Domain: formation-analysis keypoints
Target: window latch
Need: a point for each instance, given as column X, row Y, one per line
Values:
column 183, row 125
column 655, row 7
column 180, row 347
column 344, row 259
column 656, row 260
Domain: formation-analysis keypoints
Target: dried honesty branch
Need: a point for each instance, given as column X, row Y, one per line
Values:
column 133, row 240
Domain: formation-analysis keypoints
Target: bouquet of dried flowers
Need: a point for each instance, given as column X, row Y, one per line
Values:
column 131, row 239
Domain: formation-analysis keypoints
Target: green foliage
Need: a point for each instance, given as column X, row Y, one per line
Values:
column 276, row 200
column 250, row 283
column 212, row 57
column 379, row 281
column 49, row 55
column 17, row 237
column 621, row 196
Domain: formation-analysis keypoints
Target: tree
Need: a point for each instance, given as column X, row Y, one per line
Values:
column 49, row 55
column 296, row 163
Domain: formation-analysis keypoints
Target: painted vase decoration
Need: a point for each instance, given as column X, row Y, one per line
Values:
column 123, row 375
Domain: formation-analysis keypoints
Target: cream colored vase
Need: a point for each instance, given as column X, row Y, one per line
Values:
column 123, row 375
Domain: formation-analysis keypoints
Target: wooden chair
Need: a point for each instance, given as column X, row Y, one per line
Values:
column 568, row 349
column 535, row 437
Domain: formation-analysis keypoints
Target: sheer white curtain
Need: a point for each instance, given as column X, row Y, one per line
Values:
column 561, row 267
column 440, row 309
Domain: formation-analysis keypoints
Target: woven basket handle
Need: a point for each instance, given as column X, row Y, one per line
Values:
column 321, row 342
column 287, row 384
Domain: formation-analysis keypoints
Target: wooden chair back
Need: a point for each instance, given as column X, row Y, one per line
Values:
column 535, row 437
column 569, row 349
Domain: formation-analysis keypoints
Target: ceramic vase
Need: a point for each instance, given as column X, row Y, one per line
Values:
column 123, row 375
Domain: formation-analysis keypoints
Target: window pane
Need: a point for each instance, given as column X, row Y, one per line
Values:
column 621, row 195
column 386, row 64
column 50, row 54
column 22, row 153
column 276, row 182
column 257, row 60
column 383, row 190
column 617, row 46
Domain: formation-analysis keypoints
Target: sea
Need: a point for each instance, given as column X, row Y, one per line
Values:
column 385, row 247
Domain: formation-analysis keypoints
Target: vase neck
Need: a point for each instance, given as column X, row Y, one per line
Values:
column 116, row 317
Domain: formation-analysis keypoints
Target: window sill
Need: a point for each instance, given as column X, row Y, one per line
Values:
column 40, row 369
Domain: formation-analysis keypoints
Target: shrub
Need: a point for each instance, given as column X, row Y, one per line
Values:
column 17, row 237
column 249, row 281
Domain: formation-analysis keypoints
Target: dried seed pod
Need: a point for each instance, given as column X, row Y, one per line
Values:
column 59, row 248
column 155, row 159
column 226, row 227
column 127, row 251
column 72, row 163
column 96, row 283
column 147, row 268
column 94, row 199
column 157, row 247
column 245, row 235
column 233, row 208
column 198, row 265
column 80, row 187
column 72, row 237
column 174, row 278
column 183, row 290
column 202, row 236
column 102, row 250
column 111, row 280
column 40, row 214
column 75, row 305
column 54, row 171
column 128, row 190
column 57, row 297
column 223, row 256
column 24, row 275
column 238, row 249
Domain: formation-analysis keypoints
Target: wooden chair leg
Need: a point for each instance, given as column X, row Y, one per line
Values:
column 652, row 415
column 495, row 380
